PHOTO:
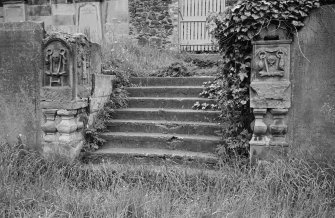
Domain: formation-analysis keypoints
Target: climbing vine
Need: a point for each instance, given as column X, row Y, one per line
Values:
column 235, row 29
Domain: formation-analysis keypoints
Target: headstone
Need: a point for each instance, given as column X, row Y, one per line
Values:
column 15, row 11
column 89, row 21
column 117, row 23
column 312, row 119
column 20, row 70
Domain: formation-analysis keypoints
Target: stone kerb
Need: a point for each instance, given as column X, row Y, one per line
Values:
column 65, row 92
column 102, row 90
column 270, row 94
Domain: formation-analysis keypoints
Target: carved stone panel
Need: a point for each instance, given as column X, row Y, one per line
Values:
column 56, row 65
column 271, row 60
column 270, row 85
column 270, row 94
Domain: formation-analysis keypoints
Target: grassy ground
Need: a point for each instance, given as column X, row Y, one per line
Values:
column 126, row 56
column 33, row 187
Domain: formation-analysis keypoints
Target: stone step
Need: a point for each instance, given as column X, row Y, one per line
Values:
column 159, row 102
column 165, row 91
column 166, row 114
column 140, row 140
column 157, row 157
column 165, row 127
column 170, row 81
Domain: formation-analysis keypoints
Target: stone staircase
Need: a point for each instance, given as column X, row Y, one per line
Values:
column 159, row 124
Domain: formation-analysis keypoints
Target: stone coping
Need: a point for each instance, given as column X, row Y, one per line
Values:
column 82, row 103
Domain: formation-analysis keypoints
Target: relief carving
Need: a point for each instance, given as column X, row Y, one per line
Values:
column 271, row 61
column 83, row 61
column 56, row 64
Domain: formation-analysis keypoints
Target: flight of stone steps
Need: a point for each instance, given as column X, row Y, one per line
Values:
column 160, row 124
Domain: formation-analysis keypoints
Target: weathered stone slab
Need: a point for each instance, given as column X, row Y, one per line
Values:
column 89, row 20
column 270, row 94
column 39, row 10
column 47, row 20
column 64, row 9
column 117, row 23
column 15, row 12
column 312, row 119
column 73, row 105
column 1, row 13
column 96, row 59
column 60, row 19
column 103, row 85
column 71, row 29
column 20, row 70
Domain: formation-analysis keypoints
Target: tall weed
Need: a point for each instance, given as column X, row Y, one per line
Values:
column 33, row 187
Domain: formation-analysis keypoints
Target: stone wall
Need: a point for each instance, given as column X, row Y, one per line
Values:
column 62, row 15
column 312, row 118
column 20, row 70
column 153, row 21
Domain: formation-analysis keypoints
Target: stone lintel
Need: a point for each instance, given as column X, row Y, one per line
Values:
column 279, row 111
column 272, row 42
column 73, row 105
column 259, row 111
column 64, row 112
column 7, row 2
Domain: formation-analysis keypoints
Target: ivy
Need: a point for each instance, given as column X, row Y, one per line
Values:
column 235, row 29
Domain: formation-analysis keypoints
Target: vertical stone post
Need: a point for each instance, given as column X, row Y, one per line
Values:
column 270, row 95
column 65, row 92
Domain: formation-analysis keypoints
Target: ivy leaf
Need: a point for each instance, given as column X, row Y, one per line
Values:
column 242, row 76
column 297, row 23
column 255, row 16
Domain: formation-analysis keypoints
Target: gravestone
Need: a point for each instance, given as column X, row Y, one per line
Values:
column 20, row 70
column 312, row 118
column 15, row 11
column 117, row 22
column 89, row 21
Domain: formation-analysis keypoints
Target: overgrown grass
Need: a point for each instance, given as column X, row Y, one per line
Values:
column 124, row 55
column 33, row 187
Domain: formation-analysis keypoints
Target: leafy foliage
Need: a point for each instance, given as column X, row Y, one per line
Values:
column 176, row 69
column 234, row 30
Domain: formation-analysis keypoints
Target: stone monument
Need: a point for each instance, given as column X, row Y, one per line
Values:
column 270, row 94
column 66, row 87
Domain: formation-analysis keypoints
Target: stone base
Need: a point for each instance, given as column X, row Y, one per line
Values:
column 66, row 146
column 266, row 153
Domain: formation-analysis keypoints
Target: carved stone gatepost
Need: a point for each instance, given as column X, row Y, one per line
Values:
column 270, row 97
column 65, row 92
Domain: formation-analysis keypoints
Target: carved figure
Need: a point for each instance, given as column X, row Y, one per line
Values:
column 56, row 64
column 271, row 62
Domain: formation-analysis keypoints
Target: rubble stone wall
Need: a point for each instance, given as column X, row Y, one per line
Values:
column 153, row 21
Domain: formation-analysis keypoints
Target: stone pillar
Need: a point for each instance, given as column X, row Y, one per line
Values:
column 65, row 92
column 15, row 11
column 270, row 95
